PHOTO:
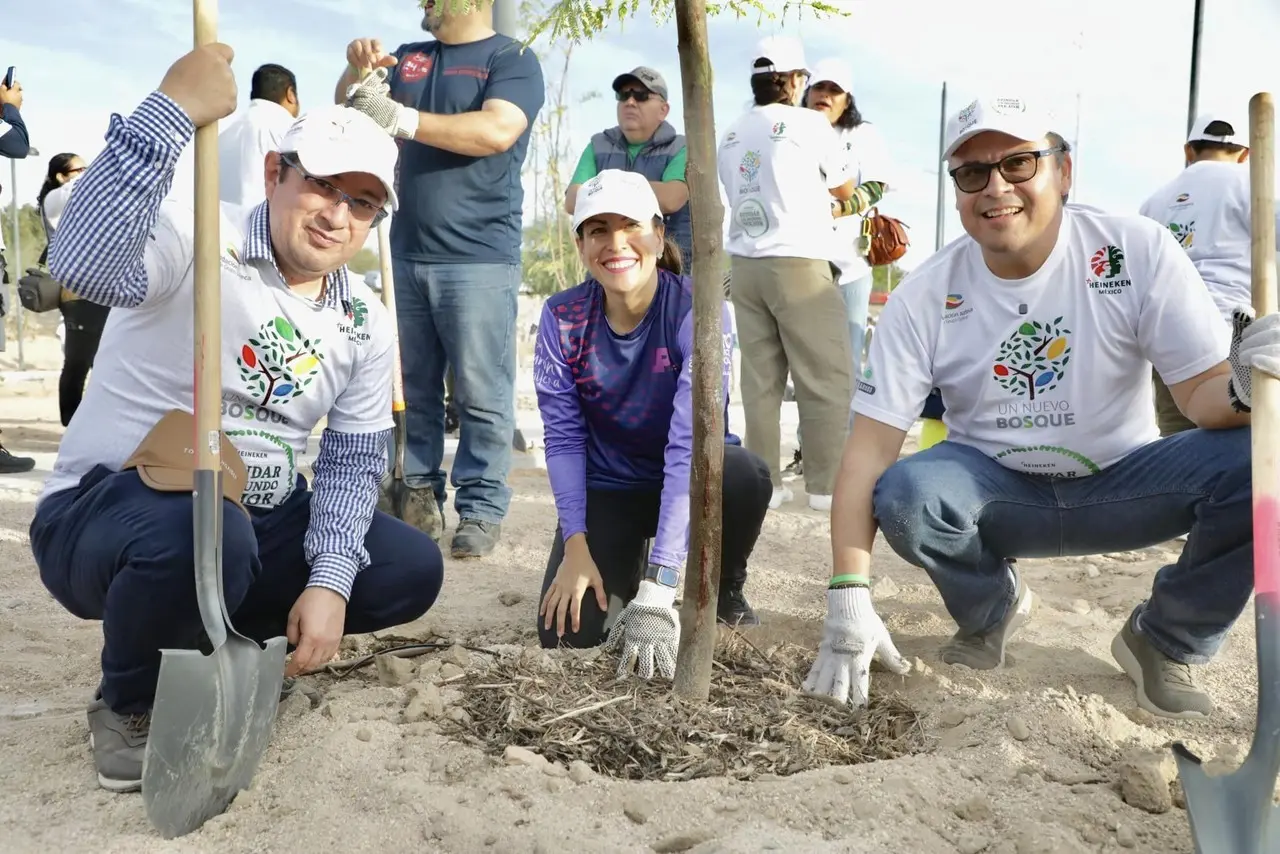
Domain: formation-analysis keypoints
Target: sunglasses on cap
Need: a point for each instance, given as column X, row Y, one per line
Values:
column 1015, row 168
column 641, row 95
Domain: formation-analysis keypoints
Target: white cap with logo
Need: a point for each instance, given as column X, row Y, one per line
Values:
column 614, row 191
column 784, row 54
column 835, row 71
column 334, row 139
column 1237, row 131
column 1007, row 115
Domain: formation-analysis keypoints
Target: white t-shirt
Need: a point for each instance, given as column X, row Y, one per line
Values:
column 776, row 165
column 868, row 161
column 55, row 203
column 242, row 151
column 1050, row 374
column 1207, row 209
column 287, row 362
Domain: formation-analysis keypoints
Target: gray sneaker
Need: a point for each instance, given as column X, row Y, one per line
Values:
column 986, row 651
column 422, row 511
column 1165, row 687
column 119, row 743
column 475, row 538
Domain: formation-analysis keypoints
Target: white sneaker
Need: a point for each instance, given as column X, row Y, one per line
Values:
column 820, row 502
column 781, row 495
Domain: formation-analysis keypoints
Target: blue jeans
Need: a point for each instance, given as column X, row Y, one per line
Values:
column 464, row 316
column 857, row 305
column 115, row 550
column 959, row 514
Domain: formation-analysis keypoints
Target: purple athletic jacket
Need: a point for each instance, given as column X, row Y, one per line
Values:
column 617, row 409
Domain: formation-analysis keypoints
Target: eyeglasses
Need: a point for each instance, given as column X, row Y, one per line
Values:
column 361, row 210
column 641, row 95
column 1016, row 169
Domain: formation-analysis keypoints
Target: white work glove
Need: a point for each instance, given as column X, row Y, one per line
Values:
column 647, row 632
column 852, row 635
column 1254, row 344
column 372, row 96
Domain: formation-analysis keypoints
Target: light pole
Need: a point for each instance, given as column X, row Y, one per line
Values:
column 17, row 250
column 939, row 214
column 1193, row 93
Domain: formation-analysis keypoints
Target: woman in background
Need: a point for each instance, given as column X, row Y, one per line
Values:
column 612, row 369
column 82, row 320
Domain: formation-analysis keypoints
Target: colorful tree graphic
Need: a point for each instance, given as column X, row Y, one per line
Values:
column 1185, row 233
column 279, row 363
column 1107, row 262
column 1031, row 361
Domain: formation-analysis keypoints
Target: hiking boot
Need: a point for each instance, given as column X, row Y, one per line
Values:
column 119, row 743
column 475, row 538
column 422, row 511
column 985, row 651
column 733, row 609
column 1165, row 687
column 10, row 464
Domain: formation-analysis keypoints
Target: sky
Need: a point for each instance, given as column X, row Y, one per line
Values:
column 1114, row 73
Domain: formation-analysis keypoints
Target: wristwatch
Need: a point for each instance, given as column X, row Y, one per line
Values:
column 664, row 575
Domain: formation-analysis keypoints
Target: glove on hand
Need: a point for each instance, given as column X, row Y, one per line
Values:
column 372, row 96
column 851, row 637
column 647, row 632
column 1254, row 344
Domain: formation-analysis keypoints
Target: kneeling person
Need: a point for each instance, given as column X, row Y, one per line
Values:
column 301, row 341
column 1040, row 329
column 613, row 366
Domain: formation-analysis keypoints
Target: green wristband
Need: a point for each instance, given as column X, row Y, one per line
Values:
column 841, row 580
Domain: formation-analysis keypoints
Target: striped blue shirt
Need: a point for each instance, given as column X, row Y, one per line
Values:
column 100, row 252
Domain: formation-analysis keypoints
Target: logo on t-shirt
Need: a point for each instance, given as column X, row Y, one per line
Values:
column 1033, row 359
column 1108, row 265
column 749, row 169
column 954, row 310
column 358, row 317
column 779, row 131
column 278, row 363
column 1184, row 233
column 414, row 67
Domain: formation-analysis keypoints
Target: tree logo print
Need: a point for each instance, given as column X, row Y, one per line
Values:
column 1107, row 262
column 749, row 168
column 1033, row 359
column 359, row 312
column 1185, row 234
column 278, row 364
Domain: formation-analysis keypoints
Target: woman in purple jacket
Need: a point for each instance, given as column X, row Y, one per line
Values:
column 612, row 369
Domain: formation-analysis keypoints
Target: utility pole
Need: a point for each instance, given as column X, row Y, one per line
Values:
column 1193, row 94
column 939, row 215
column 18, row 270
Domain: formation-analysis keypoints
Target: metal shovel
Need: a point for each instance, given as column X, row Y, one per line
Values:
column 1235, row 813
column 393, row 493
column 213, row 714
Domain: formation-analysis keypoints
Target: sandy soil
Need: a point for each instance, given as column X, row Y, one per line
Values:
column 1047, row 755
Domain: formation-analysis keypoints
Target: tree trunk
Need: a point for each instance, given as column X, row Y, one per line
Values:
column 702, row 572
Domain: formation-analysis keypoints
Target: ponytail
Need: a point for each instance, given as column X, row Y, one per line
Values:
column 672, row 259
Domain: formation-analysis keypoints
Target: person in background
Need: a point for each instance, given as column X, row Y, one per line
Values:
column 15, row 145
column 612, row 367
column 244, row 142
column 1207, row 209
column 643, row 141
column 781, row 165
column 82, row 320
column 461, row 105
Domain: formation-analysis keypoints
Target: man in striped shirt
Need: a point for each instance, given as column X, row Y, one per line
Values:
column 301, row 340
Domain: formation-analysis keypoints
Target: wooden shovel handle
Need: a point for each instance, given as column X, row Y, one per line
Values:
column 207, row 273
column 1265, row 389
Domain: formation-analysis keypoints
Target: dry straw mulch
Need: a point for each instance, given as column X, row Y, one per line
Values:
column 570, row 706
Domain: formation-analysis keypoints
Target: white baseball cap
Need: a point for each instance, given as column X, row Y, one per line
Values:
column 1011, row 115
column 785, row 54
column 835, row 71
column 614, row 191
column 1239, row 130
column 334, row 139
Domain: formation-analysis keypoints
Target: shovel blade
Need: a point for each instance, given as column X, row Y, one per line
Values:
column 391, row 497
column 1231, row 814
column 210, row 725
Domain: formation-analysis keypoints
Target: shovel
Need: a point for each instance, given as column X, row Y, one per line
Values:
column 1235, row 813
column 392, row 495
column 213, row 714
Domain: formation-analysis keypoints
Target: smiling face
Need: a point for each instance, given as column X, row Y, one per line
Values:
column 620, row 253
column 314, row 230
column 1013, row 218
column 828, row 99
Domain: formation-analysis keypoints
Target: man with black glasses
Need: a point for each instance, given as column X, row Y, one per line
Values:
column 1040, row 328
column 643, row 141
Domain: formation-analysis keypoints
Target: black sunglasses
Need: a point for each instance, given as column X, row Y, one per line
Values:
column 641, row 95
column 361, row 210
column 1016, row 168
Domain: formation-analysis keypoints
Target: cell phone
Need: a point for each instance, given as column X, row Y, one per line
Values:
column 8, row 78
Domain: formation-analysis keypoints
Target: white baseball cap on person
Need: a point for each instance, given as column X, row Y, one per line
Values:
column 784, row 53
column 1009, row 115
column 835, row 71
column 615, row 191
column 1238, row 131
column 334, row 139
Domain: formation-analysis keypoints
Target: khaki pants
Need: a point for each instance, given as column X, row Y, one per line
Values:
column 791, row 318
column 1169, row 417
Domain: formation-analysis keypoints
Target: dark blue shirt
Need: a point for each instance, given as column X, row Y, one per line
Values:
column 454, row 208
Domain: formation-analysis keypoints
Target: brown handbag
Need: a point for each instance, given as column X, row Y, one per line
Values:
column 886, row 238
